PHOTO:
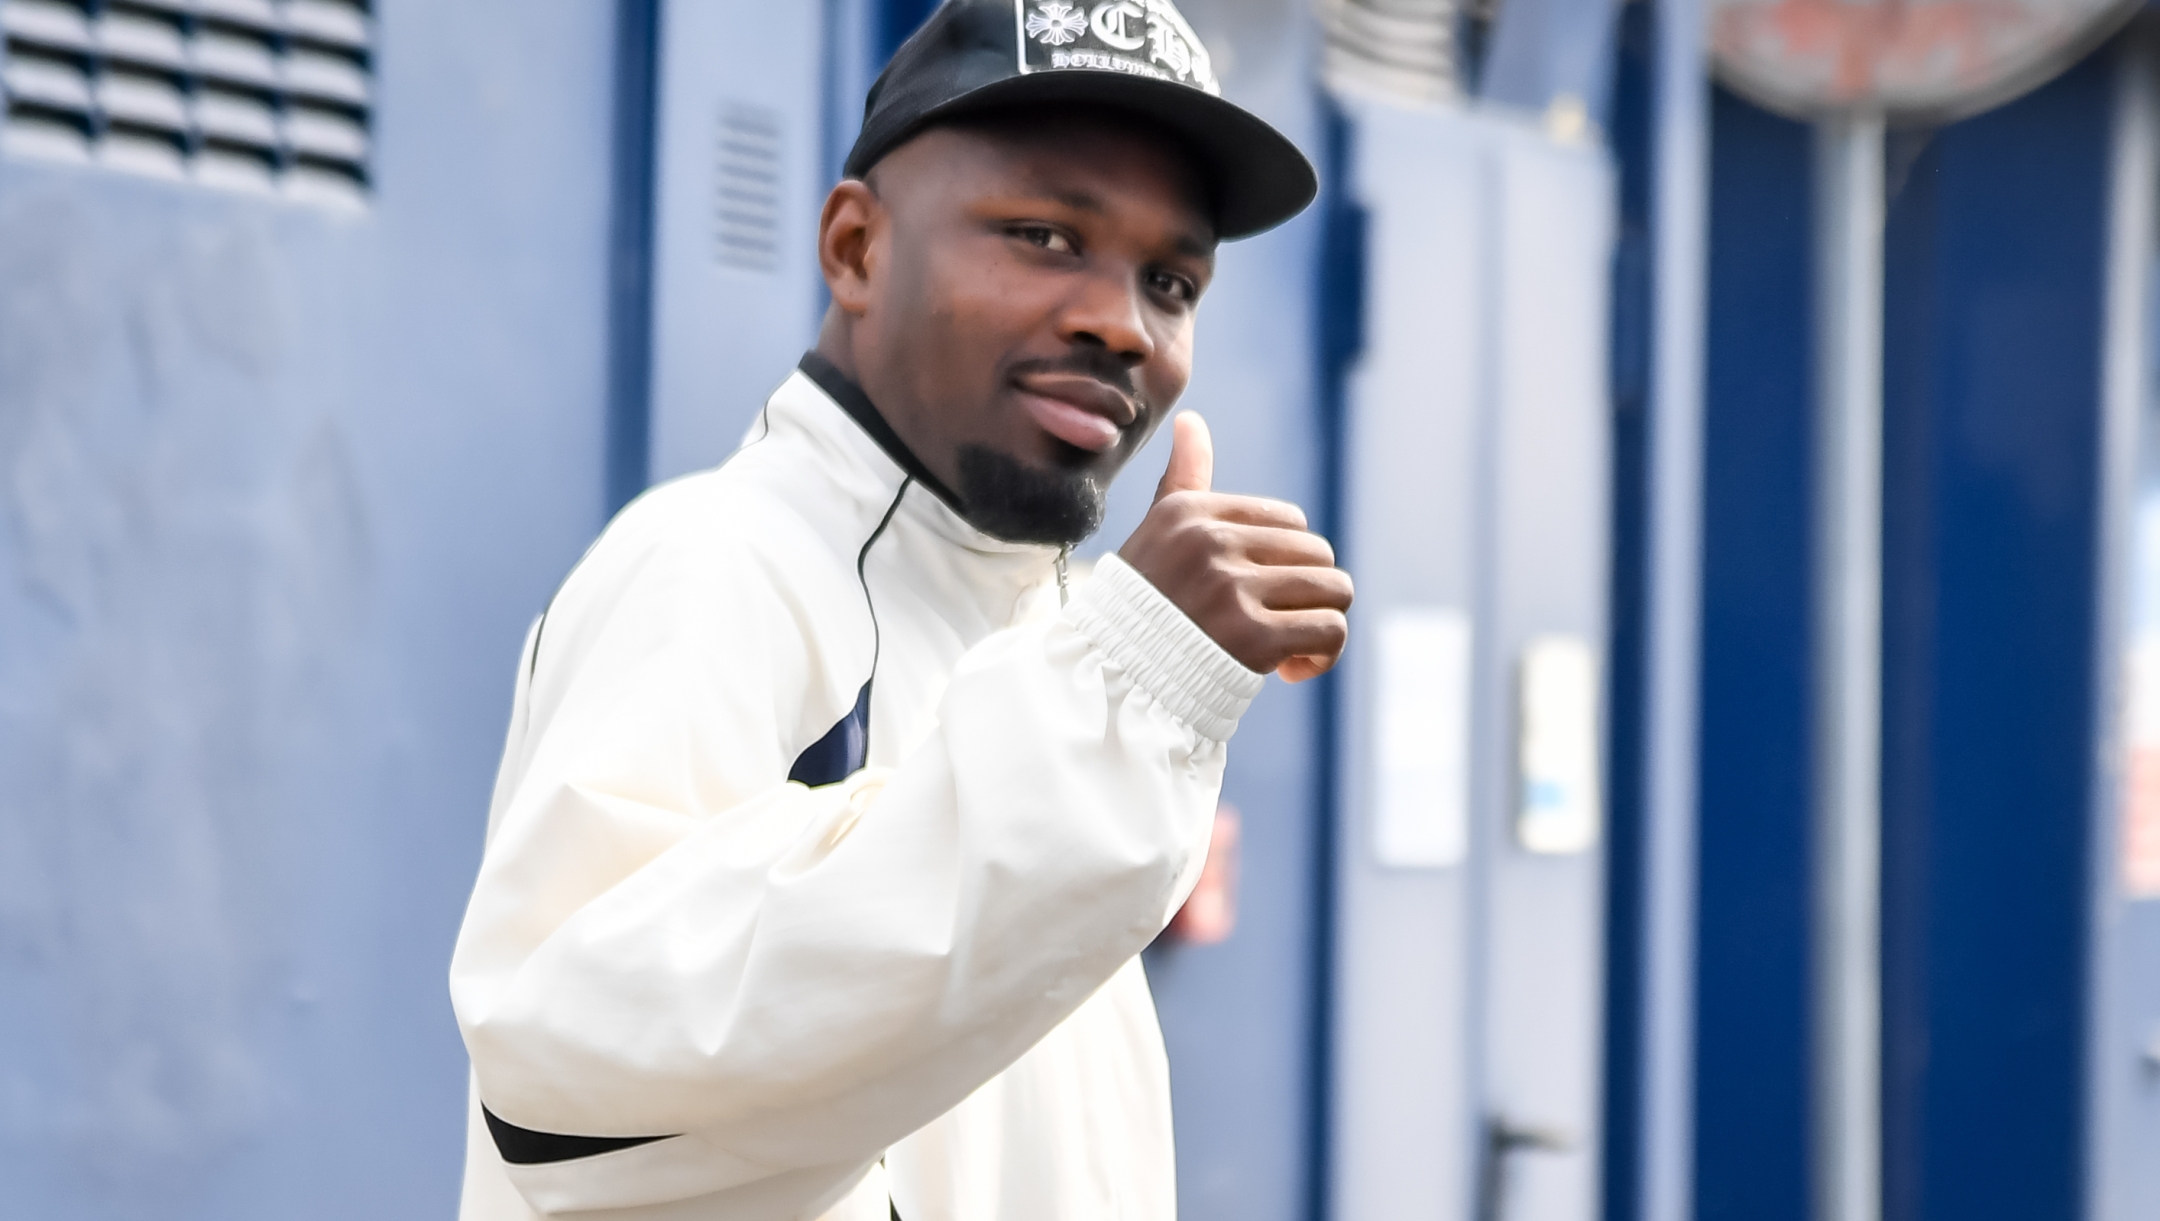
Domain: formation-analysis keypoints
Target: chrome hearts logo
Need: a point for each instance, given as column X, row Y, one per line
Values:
column 1056, row 24
column 1117, row 23
column 1147, row 38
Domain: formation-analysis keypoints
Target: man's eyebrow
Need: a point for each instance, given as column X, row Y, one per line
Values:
column 1191, row 244
column 1076, row 199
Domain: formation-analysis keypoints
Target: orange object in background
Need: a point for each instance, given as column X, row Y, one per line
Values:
column 2141, row 824
column 1210, row 912
column 2140, row 844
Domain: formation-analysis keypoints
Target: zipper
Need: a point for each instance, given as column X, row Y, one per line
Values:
column 1064, row 585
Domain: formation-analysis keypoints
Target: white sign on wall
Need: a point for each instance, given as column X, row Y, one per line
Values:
column 1421, row 794
column 1556, row 753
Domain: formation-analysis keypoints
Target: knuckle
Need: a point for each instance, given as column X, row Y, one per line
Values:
column 1343, row 588
column 1220, row 535
column 1247, row 645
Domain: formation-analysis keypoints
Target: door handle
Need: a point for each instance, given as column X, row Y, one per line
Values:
column 1503, row 1139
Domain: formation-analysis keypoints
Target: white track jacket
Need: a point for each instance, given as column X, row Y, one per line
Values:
column 822, row 851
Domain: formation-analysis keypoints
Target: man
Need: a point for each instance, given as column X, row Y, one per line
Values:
column 829, row 828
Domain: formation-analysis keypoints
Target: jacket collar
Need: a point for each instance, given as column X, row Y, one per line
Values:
column 851, row 398
column 817, row 380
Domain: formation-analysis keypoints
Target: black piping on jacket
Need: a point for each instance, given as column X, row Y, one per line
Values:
column 840, row 753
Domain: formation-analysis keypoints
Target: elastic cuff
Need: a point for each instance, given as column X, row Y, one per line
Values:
column 1147, row 636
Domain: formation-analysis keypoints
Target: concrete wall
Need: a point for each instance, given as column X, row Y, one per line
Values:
column 282, row 489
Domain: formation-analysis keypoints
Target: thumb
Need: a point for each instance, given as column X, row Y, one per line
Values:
column 1192, row 457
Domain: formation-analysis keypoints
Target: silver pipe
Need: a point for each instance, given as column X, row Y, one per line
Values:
column 1672, row 680
column 1848, row 702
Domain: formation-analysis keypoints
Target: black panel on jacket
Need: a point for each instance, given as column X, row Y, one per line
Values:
column 841, row 752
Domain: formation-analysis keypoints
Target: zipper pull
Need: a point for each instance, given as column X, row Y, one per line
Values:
column 1064, row 588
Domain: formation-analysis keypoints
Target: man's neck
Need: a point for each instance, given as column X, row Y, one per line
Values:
column 842, row 388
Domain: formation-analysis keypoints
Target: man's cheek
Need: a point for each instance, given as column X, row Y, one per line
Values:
column 1171, row 370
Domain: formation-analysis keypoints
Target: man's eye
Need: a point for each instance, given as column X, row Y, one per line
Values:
column 1045, row 237
column 1174, row 286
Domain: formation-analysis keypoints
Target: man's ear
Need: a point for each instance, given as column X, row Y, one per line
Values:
column 849, row 232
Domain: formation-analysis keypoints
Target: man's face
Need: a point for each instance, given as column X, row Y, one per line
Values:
column 1021, row 308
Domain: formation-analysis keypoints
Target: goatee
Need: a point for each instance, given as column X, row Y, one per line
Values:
column 1008, row 499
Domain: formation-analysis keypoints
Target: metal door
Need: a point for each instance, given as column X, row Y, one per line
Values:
column 1469, row 950
column 740, row 174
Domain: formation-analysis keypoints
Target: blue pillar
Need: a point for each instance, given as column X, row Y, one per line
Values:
column 1751, row 1044
column 1996, row 252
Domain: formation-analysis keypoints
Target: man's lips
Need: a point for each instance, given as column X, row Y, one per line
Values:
column 1078, row 410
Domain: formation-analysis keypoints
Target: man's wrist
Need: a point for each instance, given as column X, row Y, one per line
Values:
column 1144, row 634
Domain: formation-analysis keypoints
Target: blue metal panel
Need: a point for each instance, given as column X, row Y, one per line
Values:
column 1340, row 284
column 896, row 20
column 725, row 333
column 630, row 250
column 1468, row 979
column 1751, row 1091
column 1418, row 526
column 1661, row 133
column 1544, row 51
column 1629, row 131
column 1993, row 326
column 283, row 490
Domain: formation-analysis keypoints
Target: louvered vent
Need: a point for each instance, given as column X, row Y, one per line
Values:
column 271, row 96
column 1405, row 48
column 746, row 194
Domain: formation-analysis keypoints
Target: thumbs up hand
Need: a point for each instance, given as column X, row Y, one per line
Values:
column 1245, row 568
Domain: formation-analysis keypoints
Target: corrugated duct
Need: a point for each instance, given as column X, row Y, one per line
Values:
column 1403, row 48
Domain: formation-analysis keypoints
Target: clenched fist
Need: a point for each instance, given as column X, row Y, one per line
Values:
column 1245, row 568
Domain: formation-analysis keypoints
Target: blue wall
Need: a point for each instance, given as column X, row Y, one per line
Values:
column 1631, row 130
column 1751, row 1034
column 283, row 489
column 1992, row 399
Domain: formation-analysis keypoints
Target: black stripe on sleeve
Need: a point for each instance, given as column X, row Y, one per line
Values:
column 525, row 1147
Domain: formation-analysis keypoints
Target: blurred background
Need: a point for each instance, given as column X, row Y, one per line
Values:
column 1742, row 797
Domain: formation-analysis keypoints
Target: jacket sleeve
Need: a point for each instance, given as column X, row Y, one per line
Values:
column 780, row 978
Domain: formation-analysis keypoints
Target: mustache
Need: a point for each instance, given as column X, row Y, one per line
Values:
column 1091, row 362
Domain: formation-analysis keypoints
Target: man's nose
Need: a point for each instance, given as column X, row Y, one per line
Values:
column 1108, row 309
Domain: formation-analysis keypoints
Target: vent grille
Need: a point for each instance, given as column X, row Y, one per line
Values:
column 1403, row 48
column 269, row 96
column 746, row 192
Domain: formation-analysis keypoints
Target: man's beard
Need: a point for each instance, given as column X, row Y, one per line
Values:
column 1008, row 499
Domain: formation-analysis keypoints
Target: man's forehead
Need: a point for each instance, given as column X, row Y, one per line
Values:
column 1092, row 162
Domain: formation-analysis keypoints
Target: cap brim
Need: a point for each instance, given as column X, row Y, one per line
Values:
column 1258, row 177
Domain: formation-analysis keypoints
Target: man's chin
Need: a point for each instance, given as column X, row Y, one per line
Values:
column 1012, row 500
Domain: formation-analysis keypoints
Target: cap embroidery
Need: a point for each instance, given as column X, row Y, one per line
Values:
column 1056, row 24
column 1111, row 24
column 1136, row 37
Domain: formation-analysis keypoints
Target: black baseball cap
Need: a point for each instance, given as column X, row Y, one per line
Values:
column 975, row 57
